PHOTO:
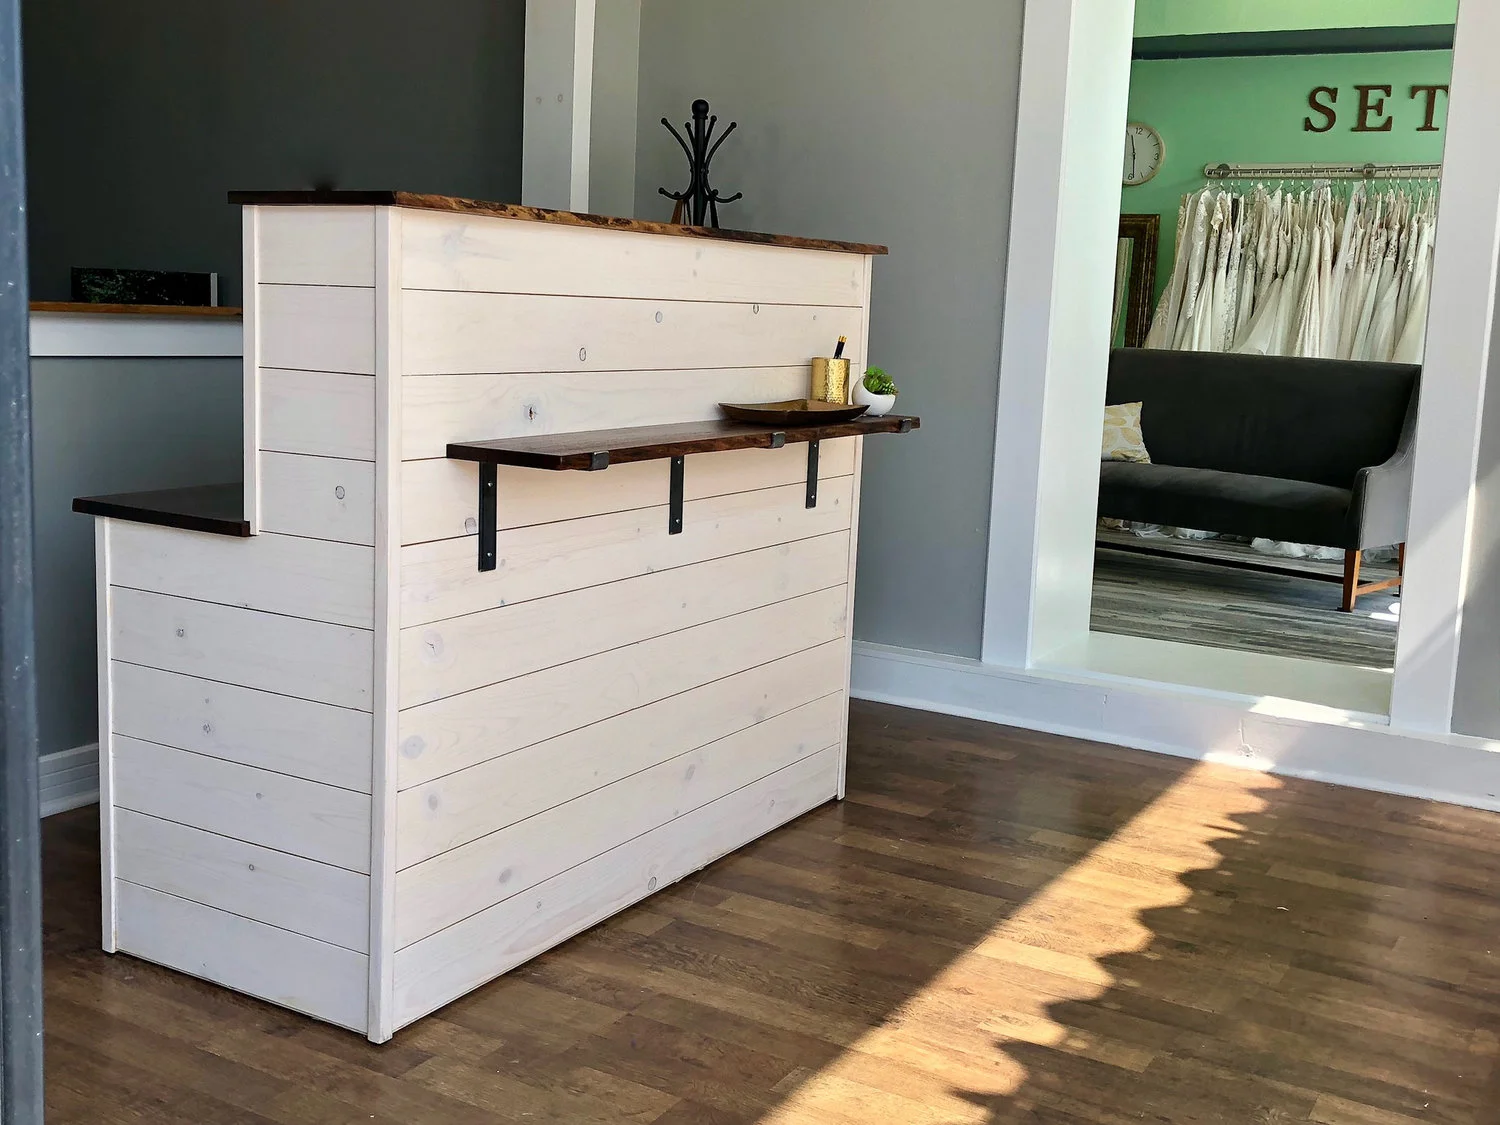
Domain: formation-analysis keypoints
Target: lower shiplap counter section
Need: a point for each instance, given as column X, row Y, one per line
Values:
column 463, row 730
column 451, row 962
column 453, row 810
column 450, row 887
column 237, row 766
column 311, row 898
column 298, row 972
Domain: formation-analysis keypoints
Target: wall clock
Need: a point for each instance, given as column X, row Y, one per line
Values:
column 1144, row 153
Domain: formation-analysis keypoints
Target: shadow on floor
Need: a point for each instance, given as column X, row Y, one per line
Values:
column 1332, row 961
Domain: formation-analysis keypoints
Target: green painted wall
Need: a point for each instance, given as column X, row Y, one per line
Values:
column 1209, row 17
column 1251, row 111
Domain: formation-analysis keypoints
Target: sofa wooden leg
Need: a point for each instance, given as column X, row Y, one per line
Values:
column 1352, row 587
column 1351, row 580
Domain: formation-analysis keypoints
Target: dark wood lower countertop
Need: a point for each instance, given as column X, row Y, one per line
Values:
column 90, row 308
column 215, row 508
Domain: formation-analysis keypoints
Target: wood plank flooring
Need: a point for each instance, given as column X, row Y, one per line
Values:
column 996, row 927
column 1189, row 598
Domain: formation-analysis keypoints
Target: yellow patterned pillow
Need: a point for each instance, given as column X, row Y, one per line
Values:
column 1122, row 434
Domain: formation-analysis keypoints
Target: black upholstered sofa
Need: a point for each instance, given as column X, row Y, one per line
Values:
column 1299, row 450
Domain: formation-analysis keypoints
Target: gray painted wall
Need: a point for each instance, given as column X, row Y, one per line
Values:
column 140, row 117
column 877, row 121
column 110, row 425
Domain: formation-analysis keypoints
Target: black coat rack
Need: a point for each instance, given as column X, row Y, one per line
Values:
column 699, row 202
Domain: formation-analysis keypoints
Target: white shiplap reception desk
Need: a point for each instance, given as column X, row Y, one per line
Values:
column 348, row 769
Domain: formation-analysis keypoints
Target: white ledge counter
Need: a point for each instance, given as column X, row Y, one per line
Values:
column 419, row 699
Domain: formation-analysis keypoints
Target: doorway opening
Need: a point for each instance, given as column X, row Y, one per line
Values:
column 1280, row 200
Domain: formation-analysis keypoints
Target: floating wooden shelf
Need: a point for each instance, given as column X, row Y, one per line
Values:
column 593, row 450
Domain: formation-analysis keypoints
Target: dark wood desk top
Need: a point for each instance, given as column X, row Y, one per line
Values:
column 215, row 508
column 598, row 449
column 215, row 312
column 532, row 214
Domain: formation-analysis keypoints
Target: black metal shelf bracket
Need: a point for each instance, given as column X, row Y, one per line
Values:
column 812, row 474
column 674, row 497
column 489, row 518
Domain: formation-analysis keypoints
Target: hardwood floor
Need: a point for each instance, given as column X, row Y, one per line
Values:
column 1188, row 597
column 996, row 927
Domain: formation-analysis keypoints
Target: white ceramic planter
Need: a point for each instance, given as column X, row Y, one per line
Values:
column 878, row 404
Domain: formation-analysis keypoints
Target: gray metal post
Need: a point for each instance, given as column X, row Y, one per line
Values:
column 21, row 1091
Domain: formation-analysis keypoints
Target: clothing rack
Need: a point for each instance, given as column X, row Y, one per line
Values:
column 1323, row 171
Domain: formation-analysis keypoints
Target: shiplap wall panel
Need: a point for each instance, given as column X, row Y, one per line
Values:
column 317, row 245
column 450, row 811
column 513, row 256
column 463, row 653
column 255, row 728
column 317, row 328
column 289, row 814
column 274, row 573
column 440, row 498
column 450, row 734
column 450, row 333
column 443, row 408
column 444, row 966
column 450, row 887
column 288, row 655
column 301, row 895
column 439, row 579
column 318, row 498
column 297, row 972
column 318, row 412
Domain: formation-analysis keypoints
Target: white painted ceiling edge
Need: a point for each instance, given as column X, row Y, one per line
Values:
column 1073, row 96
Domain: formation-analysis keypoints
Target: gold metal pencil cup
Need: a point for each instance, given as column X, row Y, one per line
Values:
column 830, row 380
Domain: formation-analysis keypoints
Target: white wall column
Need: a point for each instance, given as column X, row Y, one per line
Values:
column 1440, row 536
column 615, row 128
column 559, row 92
column 1054, row 356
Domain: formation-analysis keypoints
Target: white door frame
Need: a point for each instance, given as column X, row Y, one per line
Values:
column 1073, row 97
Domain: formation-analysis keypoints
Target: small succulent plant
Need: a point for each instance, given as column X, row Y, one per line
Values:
column 877, row 382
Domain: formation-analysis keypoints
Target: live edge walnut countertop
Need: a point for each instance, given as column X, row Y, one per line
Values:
column 533, row 215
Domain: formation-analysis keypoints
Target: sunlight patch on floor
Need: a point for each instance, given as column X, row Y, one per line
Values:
column 940, row 1057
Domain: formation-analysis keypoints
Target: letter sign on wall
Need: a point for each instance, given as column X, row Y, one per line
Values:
column 1372, row 114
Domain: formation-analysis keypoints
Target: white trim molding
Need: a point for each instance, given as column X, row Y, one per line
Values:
column 1271, row 735
column 69, row 779
column 558, row 91
column 1065, row 213
column 69, row 335
column 1441, row 521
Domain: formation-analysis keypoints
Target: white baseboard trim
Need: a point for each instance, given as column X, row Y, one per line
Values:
column 1275, row 736
column 69, row 778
